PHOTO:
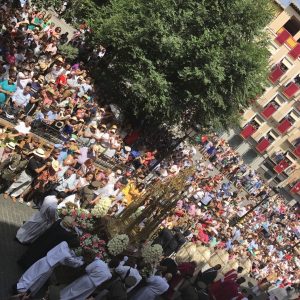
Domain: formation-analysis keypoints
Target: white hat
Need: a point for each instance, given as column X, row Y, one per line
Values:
column 39, row 152
column 174, row 169
column 11, row 145
column 163, row 173
column 127, row 148
column 55, row 165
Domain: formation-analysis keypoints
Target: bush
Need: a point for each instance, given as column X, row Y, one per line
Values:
column 68, row 51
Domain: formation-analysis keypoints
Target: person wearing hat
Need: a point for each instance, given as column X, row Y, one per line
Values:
column 59, row 231
column 35, row 166
column 11, row 167
column 7, row 151
column 41, row 186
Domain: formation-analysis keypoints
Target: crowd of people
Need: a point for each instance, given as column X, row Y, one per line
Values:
column 42, row 91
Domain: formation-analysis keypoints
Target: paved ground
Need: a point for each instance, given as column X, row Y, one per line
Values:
column 11, row 218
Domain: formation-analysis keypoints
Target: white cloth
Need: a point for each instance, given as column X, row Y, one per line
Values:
column 35, row 277
column 39, row 222
column 22, row 128
column 122, row 270
column 97, row 273
column 19, row 98
column 72, row 199
column 156, row 285
column 20, row 185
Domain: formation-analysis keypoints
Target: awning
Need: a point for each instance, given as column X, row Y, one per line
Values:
column 290, row 90
column 276, row 73
column 281, row 166
column 247, row 131
column 297, row 151
column 295, row 52
column 284, row 126
column 296, row 188
column 282, row 36
column 269, row 111
column 262, row 145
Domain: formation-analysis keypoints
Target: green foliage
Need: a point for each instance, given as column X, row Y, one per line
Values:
column 181, row 61
column 184, row 61
column 68, row 51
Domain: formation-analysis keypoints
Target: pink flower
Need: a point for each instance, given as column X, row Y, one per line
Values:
column 83, row 216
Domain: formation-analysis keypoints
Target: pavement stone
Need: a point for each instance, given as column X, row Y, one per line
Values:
column 12, row 216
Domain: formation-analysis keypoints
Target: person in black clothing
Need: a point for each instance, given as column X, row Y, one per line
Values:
column 61, row 230
column 209, row 275
column 35, row 166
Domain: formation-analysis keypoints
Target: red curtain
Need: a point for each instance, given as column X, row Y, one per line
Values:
column 291, row 90
column 283, row 36
column 269, row 111
column 247, row 131
column 276, row 74
column 262, row 145
column 297, row 151
column 281, row 166
column 296, row 188
column 295, row 52
column 284, row 126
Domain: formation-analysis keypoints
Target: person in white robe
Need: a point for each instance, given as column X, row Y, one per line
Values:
column 40, row 221
column 36, row 276
column 156, row 286
column 127, row 270
column 97, row 272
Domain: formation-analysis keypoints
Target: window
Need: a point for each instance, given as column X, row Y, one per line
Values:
column 292, row 26
column 273, row 47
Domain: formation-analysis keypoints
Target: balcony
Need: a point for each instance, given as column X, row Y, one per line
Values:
column 262, row 145
column 248, row 130
column 270, row 109
column 277, row 72
column 297, row 151
column 296, row 188
column 282, row 165
column 291, row 89
column 284, row 37
column 284, row 125
column 295, row 52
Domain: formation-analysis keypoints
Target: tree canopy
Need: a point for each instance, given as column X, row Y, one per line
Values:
column 183, row 61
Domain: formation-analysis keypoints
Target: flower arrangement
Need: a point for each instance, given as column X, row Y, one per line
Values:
column 118, row 244
column 152, row 253
column 83, row 218
column 101, row 208
column 93, row 243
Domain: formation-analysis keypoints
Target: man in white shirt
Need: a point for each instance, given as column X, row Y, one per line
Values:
column 21, row 98
column 24, row 127
column 127, row 268
column 36, row 276
column 97, row 272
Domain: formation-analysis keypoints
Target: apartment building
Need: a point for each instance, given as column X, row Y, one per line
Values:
column 269, row 137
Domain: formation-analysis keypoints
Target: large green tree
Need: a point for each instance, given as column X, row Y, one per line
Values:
column 184, row 61
column 180, row 61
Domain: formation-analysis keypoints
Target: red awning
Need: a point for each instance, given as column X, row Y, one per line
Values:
column 290, row 90
column 284, row 126
column 282, row 36
column 269, row 111
column 297, row 151
column 262, row 145
column 276, row 73
column 247, row 131
column 295, row 52
column 281, row 166
column 296, row 188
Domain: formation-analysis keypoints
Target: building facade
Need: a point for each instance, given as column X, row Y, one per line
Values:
column 269, row 137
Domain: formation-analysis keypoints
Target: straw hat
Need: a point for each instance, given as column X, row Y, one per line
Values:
column 55, row 165
column 103, row 126
column 114, row 127
column 60, row 59
column 39, row 152
column 127, row 148
column 11, row 145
